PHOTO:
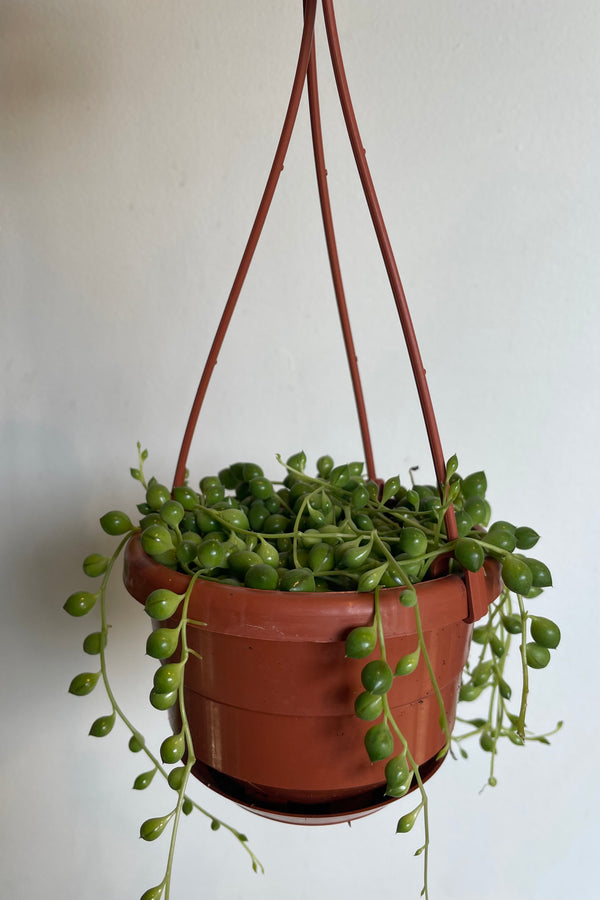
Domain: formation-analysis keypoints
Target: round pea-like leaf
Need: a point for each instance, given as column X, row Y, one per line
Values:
column 377, row 677
column 157, row 494
column 516, row 575
column 512, row 624
column 116, row 522
column 80, row 603
column 162, row 643
column 152, row 829
column 474, row 485
column 505, row 689
column 156, row 539
column 368, row 581
column 545, row 632
column 479, row 510
column 379, row 742
column 95, row 564
column 340, row 475
column 94, row 643
column 136, row 742
column 464, row 522
column 172, row 748
column 172, row 512
column 368, row 706
column 481, row 634
column 188, row 498
column 413, row 541
column 176, row 778
column 481, row 673
column 163, row 701
column 162, row 604
column 391, row 487
column 354, row 557
column 361, row 642
column 498, row 648
column 143, row 780
column 261, row 576
column 408, row 597
column 324, row 465
column 537, row 656
column 168, row 678
column 469, row 692
column 298, row 580
column 540, row 573
column 407, row 821
column 102, row 726
column 469, row 553
column 501, row 538
column 397, row 771
column 84, row 683
column 408, row 663
column 153, row 893
column 526, row 537
column 451, row 466
column 360, row 497
column 487, row 742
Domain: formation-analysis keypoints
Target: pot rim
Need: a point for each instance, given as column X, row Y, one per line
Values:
column 302, row 616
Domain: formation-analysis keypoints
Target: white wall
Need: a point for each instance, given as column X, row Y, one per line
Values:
column 135, row 139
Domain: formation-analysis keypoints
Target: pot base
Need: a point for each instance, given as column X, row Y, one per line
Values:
column 274, row 805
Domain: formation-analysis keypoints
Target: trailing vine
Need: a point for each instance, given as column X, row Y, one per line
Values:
column 167, row 691
column 336, row 531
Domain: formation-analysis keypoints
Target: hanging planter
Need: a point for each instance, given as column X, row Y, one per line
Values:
column 313, row 633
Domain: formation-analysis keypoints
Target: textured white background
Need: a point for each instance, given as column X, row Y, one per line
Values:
column 135, row 139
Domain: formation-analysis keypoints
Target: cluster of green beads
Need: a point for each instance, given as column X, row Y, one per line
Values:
column 377, row 678
column 335, row 531
column 176, row 750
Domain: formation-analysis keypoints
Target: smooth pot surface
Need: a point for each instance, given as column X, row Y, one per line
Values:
column 271, row 702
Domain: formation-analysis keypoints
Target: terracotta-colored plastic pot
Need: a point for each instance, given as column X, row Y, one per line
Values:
column 271, row 704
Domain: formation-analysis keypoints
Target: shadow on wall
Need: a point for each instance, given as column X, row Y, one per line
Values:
column 46, row 71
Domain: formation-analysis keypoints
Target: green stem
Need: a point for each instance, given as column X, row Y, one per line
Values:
column 188, row 741
column 443, row 716
column 379, row 625
column 104, row 628
column 267, row 536
column 297, row 531
column 546, row 734
column 440, row 520
column 256, row 864
column 520, row 726
column 373, row 506
column 421, row 638
column 467, row 734
column 141, row 459
column 389, row 717
column 424, row 799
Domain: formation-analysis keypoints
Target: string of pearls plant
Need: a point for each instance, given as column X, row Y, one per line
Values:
column 335, row 530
